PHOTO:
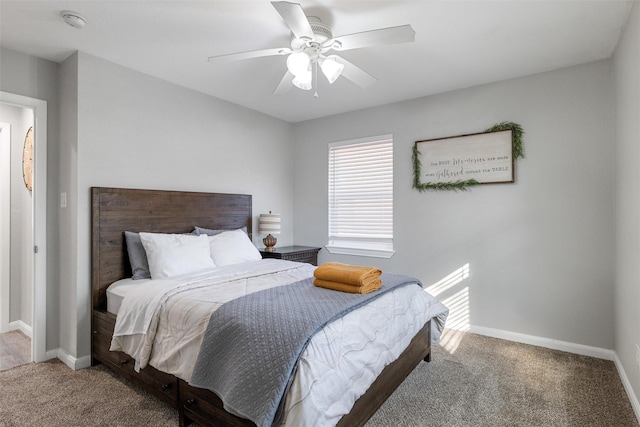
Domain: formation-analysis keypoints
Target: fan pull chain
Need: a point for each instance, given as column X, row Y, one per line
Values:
column 315, row 77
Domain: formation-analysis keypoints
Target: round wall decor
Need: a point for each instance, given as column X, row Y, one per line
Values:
column 27, row 160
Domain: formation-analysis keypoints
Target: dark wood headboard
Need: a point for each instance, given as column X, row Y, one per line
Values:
column 116, row 210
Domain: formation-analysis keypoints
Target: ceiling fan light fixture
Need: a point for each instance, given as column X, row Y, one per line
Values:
column 310, row 44
column 303, row 80
column 331, row 68
column 298, row 63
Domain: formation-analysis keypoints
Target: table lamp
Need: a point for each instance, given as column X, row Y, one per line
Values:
column 269, row 224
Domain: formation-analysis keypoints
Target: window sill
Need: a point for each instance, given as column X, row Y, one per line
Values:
column 376, row 253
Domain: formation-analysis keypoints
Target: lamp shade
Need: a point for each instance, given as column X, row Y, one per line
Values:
column 269, row 223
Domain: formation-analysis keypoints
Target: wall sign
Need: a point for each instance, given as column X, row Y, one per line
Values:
column 455, row 163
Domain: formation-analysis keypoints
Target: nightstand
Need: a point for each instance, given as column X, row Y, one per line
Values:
column 294, row 253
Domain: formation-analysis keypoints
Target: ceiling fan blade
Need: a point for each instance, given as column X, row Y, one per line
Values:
column 294, row 17
column 356, row 74
column 285, row 84
column 401, row 34
column 251, row 54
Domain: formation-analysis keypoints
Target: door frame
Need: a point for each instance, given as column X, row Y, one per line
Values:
column 39, row 294
column 5, row 225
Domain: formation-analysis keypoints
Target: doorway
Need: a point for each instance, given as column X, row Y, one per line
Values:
column 5, row 225
column 34, row 251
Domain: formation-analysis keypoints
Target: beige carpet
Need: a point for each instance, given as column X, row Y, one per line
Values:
column 471, row 381
column 50, row 394
column 474, row 380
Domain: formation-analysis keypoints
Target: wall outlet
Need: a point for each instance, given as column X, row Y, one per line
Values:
column 637, row 356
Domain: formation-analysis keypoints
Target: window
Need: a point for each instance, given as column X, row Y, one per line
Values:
column 361, row 197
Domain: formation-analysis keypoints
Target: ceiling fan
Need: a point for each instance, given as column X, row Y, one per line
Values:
column 311, row 46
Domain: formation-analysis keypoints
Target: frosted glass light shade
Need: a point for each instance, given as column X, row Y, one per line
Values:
column 303, row 81
column 331, row 69
column 298, row 63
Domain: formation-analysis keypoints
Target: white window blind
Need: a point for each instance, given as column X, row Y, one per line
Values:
column 361, row 197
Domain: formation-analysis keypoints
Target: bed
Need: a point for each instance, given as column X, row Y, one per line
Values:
column 115, row 211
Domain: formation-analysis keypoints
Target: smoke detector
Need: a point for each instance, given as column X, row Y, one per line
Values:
column 74, row 19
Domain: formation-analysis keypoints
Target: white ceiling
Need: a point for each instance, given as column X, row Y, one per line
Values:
column 458, row 44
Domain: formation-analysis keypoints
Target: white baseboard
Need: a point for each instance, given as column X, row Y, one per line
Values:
column 19, row 325
column 72, row 362
column 627, row 387
column 51, row 354
column 583, row 350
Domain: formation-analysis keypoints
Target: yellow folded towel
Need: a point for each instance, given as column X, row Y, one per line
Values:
column 370, row 286
column 335, row 275
column 344, row 273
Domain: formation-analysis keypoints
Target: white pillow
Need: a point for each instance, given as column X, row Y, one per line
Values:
column 173, row 254
column 232, row 247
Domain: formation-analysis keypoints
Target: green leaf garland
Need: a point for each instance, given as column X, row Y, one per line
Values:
column 456, row 185
column 516, row 135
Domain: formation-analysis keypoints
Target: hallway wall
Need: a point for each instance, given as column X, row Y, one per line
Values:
column 38, row 78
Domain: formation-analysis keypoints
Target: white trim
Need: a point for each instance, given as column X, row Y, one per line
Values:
column 376, row 253
column 386, row 137
column 19, row 325
column 70, row 361
column 51, row 354
column 583, row 350
column 633, row 399
column 5, row 226
column 39, row 305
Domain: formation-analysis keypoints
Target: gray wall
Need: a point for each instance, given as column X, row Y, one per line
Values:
column 627, row 189
column 131, row 130
column 37, row 78
column 539, row 251
column 67, row 183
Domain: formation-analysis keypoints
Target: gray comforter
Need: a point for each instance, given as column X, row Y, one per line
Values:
column 252, row 344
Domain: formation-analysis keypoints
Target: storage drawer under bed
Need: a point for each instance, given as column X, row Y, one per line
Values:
column 160, row 384
column 205, row 408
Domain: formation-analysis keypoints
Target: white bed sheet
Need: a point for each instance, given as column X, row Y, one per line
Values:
column 337, row 367
column 117, row 291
